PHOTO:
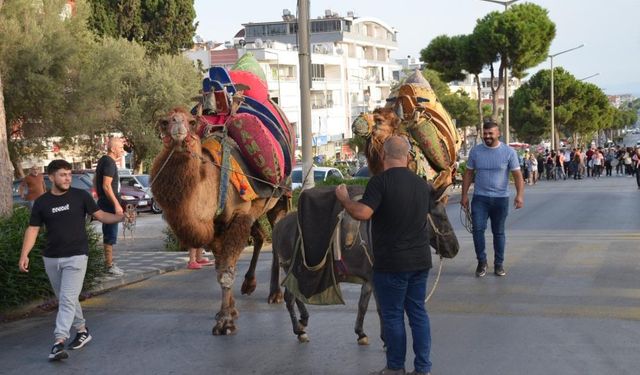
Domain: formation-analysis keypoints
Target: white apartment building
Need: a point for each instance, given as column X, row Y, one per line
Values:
column 469, row 85
column 351, row 70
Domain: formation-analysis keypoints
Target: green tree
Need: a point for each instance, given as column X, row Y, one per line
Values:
column 162, row 26
column 39, row 60
column 581, row 109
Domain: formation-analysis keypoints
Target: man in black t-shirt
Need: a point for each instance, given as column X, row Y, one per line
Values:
column 63, row 210
column 398, row 201
column 107, row 185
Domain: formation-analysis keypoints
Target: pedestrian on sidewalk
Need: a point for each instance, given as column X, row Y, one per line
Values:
column 197, row 259
column 488, row 167
column 532, row 167
column 398, row 202
column 32, row 186
column 107, row 184
column 637, row 166
column 63, row 212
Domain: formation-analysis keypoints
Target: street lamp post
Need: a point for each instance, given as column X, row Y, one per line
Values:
column 586, row 78
column 506, row 4
column 553, row 124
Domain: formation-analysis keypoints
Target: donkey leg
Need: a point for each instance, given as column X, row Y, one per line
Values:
column 363, row 304
column 274, row 215
column 298, row 328
column 304, row 314
column 258, row 235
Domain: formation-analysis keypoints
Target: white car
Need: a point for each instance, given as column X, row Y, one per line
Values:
column 319, row 174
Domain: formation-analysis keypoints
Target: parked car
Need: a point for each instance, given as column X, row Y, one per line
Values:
column 78, row 180
column 363, row 172
column 143, row 182
column 17, row 199
column 319, row 174
column 83, row 179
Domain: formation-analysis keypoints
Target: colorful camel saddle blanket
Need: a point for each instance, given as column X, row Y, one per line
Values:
column 312, row 274
column 258, row 125
column 238, row 176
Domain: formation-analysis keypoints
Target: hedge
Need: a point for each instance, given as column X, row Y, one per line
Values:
column 17, row 288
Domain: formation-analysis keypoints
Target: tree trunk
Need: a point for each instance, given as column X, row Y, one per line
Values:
column 6, row 169
column 480, row 123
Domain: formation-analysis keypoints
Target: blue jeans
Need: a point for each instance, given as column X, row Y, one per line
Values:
column 397, row 293
column 482, row 209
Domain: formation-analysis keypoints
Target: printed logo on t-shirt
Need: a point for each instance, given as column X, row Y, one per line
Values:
column 60, row 209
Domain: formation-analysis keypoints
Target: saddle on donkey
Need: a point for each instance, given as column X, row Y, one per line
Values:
column 236, row 103
column 312, row 272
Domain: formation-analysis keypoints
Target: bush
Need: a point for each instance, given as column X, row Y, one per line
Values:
column 17, row 288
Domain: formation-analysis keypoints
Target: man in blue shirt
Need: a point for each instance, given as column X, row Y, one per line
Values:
column 488, row 167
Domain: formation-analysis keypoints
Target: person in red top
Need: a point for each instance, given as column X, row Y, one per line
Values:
column 589, row 163
column 34, row 184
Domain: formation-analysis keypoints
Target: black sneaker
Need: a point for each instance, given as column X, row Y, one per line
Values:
column 499, row 270
column 481, row 270
column 82, row 338
column 57, row 352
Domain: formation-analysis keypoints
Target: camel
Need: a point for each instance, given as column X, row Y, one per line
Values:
column 186, row 185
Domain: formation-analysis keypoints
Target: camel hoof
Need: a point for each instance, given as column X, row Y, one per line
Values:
column 363, row 340
column 276, row 297
column 303, row 338
column 248, row 286
column 224, row 327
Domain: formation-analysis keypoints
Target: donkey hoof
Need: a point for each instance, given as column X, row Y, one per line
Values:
column 303, row 338
column 224, row 327
column 364, row 340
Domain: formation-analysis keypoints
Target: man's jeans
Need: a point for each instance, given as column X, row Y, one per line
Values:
column 496, row 209
column 397, row 292
column 67, row 276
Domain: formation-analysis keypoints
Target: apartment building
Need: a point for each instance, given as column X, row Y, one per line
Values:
column 351, row 70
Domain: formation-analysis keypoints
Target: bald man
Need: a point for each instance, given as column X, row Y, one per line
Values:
column 398, row 201
column 107, row 184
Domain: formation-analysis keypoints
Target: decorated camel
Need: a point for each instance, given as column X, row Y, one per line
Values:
column 187, row 186
column 413, row 111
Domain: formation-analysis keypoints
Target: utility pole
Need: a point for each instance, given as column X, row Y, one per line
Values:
column 304, row 58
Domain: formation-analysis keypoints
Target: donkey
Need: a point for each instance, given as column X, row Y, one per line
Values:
column 357, row 256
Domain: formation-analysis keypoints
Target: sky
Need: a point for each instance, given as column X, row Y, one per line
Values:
column 609, row 29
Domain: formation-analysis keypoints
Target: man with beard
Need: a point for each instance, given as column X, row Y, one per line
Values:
column 488, row 167
column 63, row 211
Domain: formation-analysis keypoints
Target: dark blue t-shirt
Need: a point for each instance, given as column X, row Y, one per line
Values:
column 64, row 217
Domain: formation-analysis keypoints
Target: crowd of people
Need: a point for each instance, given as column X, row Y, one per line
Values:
column 579, row 164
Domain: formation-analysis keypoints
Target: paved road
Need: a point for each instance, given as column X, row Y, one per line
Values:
column 570, row 304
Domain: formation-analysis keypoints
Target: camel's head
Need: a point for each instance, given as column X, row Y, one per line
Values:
column 178, row 128
column 386, row 123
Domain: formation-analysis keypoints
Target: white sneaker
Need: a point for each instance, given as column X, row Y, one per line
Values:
column 115, row 270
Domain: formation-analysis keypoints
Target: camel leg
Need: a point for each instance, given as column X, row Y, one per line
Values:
column 232, row 243
column 363, row 304
column 258, row 235
column 298, row 328
column 274, row 215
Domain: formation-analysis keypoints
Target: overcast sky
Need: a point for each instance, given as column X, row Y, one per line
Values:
column 609, row 29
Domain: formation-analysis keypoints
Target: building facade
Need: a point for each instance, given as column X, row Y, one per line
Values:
column 351, row 70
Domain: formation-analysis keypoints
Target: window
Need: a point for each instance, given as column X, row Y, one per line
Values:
column 317, row 71
column 277, row 29
column 293, row 28
column 324, row 26
column 255, row 31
